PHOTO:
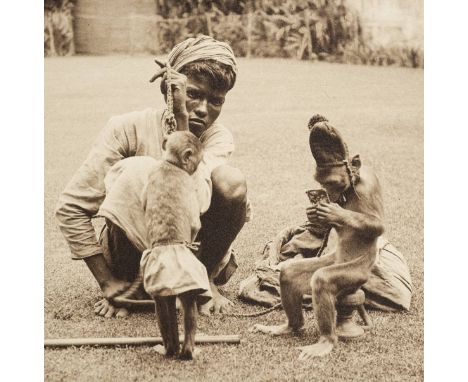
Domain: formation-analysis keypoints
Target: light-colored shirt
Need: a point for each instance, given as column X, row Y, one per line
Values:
column 138, row 133
column 126, row 196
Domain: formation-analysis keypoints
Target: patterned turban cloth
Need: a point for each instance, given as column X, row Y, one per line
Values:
column 201, row 48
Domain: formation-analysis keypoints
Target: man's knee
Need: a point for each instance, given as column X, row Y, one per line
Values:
column 229, row 184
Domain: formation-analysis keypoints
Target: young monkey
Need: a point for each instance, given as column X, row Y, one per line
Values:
column 355, row 211
column 169, row 268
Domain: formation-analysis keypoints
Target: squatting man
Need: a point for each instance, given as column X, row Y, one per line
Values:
column 202, row 72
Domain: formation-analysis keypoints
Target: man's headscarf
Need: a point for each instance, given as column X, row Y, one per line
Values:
column 201, row 48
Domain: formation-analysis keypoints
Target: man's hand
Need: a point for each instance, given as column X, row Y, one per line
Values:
column 179, row 93
column 110, row 286
column 105, row 309
column 329, row 213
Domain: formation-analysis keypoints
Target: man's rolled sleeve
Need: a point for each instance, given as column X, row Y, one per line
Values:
column 85, row 192
column 218, row 146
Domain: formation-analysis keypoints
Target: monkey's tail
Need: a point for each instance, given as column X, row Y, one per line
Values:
column 365, row 317
column 255, row 314
column 125, row 299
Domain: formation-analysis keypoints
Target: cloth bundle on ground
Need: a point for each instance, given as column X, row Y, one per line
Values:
column 389, row 287
column 170, row 270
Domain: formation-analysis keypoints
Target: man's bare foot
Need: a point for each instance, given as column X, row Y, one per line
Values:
column 323, row 347
column 274, row 330
column 218, row 304
column 160, row 349
column 105, row 309
column 205, row 309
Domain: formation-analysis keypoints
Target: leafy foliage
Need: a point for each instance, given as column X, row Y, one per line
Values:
column 58, row 28
column 231, row 28
column 301, row 29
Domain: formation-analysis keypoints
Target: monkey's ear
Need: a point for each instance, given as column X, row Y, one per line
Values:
column 186, row 154
column 356, row 161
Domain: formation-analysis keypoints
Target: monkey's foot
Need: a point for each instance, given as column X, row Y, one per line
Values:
column 274, row 330
column 321, row 348
column 105, row 309
column 160, row 349
column 189, row 354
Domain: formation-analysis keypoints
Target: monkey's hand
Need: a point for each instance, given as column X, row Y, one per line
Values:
column 311, row 213
column 331, row 213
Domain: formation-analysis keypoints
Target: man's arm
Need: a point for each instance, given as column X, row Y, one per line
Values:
column 218, row 145
column 109, row 285
column 85, row 192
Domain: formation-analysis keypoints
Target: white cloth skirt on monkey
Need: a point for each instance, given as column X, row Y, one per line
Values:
column 171, row 270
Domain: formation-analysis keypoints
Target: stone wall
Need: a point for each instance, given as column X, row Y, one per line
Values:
column 130, row 26
column 113, row 26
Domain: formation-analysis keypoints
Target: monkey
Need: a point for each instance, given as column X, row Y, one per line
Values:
column 355, row 212
column 169, row 269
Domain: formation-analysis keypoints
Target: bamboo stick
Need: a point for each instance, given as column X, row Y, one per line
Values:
column 249, row 34
column 309, row 36
column 208, row 24
column 134, row 341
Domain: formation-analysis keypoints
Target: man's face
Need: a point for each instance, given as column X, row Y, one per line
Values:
column 204, row 104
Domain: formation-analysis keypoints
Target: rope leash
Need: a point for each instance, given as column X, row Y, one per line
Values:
column 170, row 123
column 349, row 171
column 279, row 305
column 324, row 243
column 255, row 314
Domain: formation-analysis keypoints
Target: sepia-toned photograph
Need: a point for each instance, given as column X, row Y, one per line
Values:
column 233, row 190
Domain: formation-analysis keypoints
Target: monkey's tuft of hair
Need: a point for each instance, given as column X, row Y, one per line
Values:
column 327, row 144
column 316, row 119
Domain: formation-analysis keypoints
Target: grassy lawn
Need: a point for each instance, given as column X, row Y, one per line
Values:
column 380, row 112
